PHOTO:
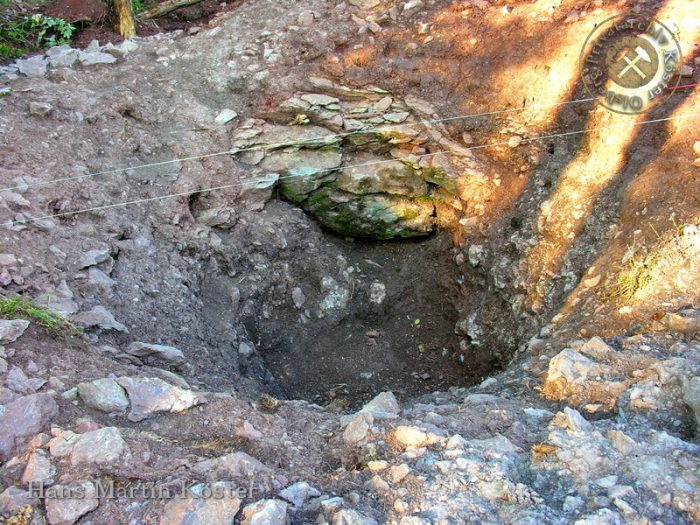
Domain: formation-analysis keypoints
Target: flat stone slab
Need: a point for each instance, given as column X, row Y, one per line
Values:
column 150, row 395
column 25, row 417
column 162, row 352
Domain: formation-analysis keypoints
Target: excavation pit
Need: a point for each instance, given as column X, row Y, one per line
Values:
column 366, row 317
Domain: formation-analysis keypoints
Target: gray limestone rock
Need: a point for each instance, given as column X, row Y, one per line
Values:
column 104, row 394
column 150, row 395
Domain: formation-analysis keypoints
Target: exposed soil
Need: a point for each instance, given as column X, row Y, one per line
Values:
column 407, row 344
column 94, row 21
column 188, row 19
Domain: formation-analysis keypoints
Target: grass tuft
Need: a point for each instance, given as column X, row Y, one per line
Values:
column 636, row 275
column 638, row 272
column 19, row 307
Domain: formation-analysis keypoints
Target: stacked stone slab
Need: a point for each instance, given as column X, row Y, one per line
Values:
column 364, row 163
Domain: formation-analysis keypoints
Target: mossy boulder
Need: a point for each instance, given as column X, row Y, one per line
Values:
column 372, row 178
column 302, row 171
column 377, row 216
column 366, row 173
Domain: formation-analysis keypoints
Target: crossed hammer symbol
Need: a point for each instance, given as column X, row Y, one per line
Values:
column 632, row 64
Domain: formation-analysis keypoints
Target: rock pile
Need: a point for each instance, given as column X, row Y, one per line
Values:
column 363, row 162
column 64, row 56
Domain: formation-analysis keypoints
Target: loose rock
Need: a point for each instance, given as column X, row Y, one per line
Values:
column 383, row 406
column 352, row 517
column 12, row 499
column 12, row 330
column 225, row 116
column 365, row 4
column 104, row 394
column 169, row 354
column 99, row 317
column 198, row 510
column 39, row 469
column 358, row 428
column 103, row 447
column 298, row 493
column 234, row 465
column 33, row 67
column 265, row 512
column 40, row 109
column 66, row 511
column 92, row 58
column 150, row 395
column 25, row 417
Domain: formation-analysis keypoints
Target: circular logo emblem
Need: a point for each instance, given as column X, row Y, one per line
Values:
column 629, row 61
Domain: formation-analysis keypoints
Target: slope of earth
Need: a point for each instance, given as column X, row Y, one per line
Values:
column 204, row 314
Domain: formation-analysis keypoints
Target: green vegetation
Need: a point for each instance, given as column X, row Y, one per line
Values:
column 19, row 307
column 638, row 272
column 319, row 202
column 18, row 37
column 440, row 177
column 138, row 5
column 635, row 275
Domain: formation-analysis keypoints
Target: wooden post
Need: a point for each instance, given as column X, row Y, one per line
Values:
column 126, row 26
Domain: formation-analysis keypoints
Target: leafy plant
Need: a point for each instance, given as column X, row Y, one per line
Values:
column 19, row 307
column 17, row 37
column 51, row 31
column 138, row 5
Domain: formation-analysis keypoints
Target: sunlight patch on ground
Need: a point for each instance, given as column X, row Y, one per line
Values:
column 659, row 263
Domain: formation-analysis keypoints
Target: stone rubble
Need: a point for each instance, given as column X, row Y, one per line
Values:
column 587, row 430
column 63, row 56
column 347, row 157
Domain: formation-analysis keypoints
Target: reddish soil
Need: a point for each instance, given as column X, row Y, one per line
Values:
column 186, row 18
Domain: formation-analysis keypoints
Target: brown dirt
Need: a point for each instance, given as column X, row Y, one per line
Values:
column 411, row 349
column 186, row 18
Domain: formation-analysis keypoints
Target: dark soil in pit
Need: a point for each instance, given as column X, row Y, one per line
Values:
column 406, row 344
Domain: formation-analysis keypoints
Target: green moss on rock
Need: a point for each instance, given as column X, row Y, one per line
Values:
column 375, row 216
column 441, row 178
